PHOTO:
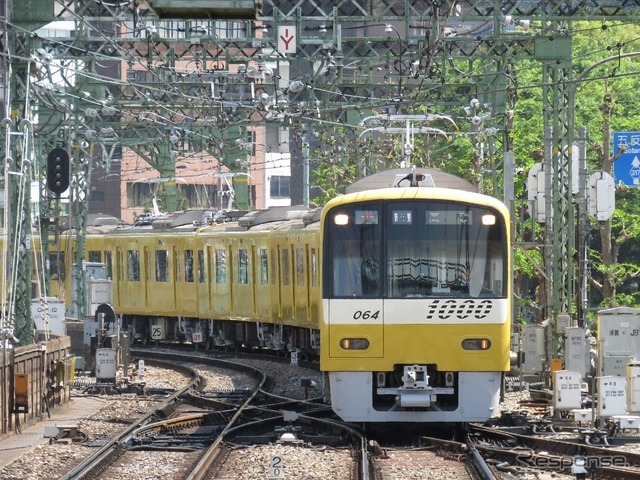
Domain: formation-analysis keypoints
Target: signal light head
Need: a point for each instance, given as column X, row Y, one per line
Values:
column 58, row 171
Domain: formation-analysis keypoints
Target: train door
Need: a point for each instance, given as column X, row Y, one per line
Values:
column 203, row 292
column 262, row 291
column 147, row 272
column 221, row 280
column 254, row 268
column 285, row 285
column 300, row 288
column 242, row 287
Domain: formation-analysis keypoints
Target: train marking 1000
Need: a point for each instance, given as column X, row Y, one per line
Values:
column 403, row 292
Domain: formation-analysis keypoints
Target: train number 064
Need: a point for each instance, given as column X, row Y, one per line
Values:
column 366, row 314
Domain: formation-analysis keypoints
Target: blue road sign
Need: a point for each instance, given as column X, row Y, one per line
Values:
column 626, row 168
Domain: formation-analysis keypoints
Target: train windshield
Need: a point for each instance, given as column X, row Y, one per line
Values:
column 415, row 249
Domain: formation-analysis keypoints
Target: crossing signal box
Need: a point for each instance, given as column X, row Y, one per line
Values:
column 58, row 171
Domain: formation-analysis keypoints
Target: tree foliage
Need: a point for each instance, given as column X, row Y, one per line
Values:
column 606, row 86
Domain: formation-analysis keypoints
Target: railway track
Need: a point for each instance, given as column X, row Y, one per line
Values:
column 202, row 430
column 248, row 433
column 184, row 422
column 520, row 452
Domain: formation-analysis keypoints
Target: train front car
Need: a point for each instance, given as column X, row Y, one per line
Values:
column 416, row 305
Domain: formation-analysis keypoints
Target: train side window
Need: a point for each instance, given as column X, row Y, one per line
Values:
column 201, row 267
column 314, row 268
column 108, row 263
column 264, row 267
column 162, row 266
column 133, row 265
column 94, row 256
column 221, row 266
column 284, row 266
column 299, row 267
column 243, row 266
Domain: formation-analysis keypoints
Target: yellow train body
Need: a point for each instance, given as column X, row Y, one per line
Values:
column 415, row 324
column 407, row 303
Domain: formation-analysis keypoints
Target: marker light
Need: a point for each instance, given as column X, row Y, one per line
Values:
column 341, row 219
column 488, row 219
column 476, row 344
column 354, row 343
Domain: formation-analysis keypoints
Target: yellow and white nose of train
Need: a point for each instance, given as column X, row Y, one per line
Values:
column 428, row 360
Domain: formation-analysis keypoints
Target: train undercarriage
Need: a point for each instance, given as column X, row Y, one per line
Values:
column 227, row 334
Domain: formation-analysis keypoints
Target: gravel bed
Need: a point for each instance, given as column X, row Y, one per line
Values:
column 47, row 461
column 151, row 465
column 418, row 465
column 298, row 463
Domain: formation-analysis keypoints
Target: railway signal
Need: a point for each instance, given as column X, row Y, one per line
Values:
column 58, row 171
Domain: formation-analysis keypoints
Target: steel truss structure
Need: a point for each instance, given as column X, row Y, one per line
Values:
column 129, row 78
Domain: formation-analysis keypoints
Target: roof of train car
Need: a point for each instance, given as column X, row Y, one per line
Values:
column 388, row 179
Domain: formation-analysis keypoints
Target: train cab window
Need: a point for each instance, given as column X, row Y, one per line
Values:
column 299, row 267
column 264, row 267
column 221, row 266
column 162, row 265
column 443, row 249
column 94, row 256
column 243, row 266
column 284, row 266
column 201, row 267
column 188, row 266
column 133, row 265
column 353, row 236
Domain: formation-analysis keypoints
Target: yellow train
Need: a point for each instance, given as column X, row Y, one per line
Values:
column 403, row 292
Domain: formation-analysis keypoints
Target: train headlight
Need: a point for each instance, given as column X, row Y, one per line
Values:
column 341, row 219
column 476, row 344
column 488, row 219
column 354, row 343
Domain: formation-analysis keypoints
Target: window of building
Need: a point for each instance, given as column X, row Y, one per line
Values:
column 97, row 196
column 138, row 194
column 279, row 187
